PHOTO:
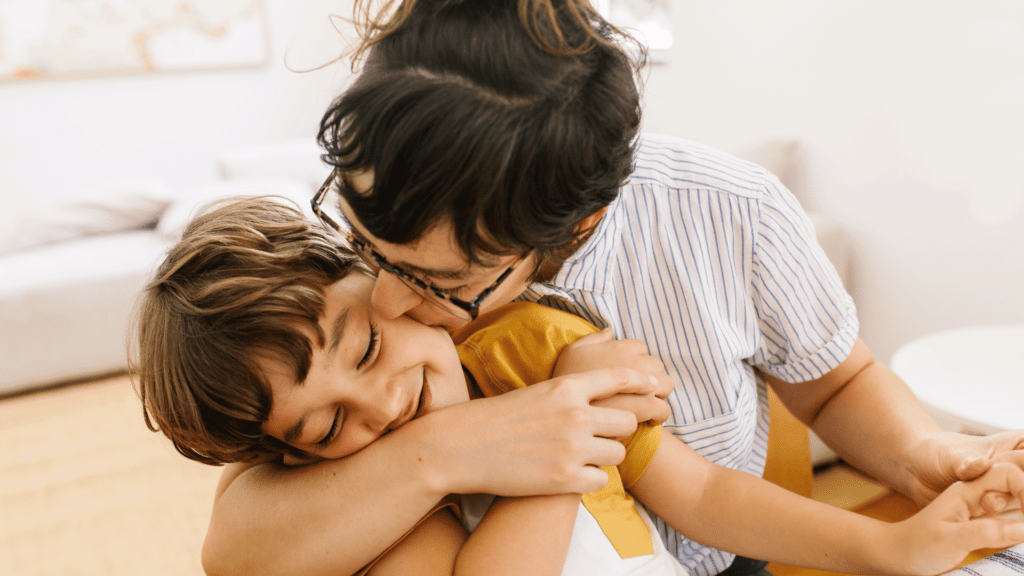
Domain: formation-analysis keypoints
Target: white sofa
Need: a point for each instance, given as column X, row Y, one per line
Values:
column 71, row 271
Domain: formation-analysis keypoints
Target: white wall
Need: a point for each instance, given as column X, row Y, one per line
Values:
column 59, row 135
column 910, row 114
column 912, row 117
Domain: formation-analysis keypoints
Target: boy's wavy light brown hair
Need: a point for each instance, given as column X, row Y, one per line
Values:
column 246, row 281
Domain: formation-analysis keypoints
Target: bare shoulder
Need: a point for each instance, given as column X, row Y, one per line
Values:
column 232, row 472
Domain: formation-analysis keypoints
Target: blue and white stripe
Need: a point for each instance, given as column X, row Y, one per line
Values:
column 711, row 262
column 1009, row 562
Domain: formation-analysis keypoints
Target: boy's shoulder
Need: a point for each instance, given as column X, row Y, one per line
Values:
column 522, row 320
column 516, row 345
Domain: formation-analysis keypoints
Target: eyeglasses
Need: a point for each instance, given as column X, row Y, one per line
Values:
column 467, row 310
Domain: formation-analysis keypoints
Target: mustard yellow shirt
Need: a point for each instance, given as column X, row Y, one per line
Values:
column 517, row 345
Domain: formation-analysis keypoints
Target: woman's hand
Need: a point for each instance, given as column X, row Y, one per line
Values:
column 941, row 459
column 548, row 438
column 967, row 516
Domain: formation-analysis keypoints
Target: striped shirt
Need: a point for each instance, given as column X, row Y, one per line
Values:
column 711, row 262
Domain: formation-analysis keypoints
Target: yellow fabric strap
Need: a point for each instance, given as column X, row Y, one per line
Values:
column 616, row 513
column 640, row 449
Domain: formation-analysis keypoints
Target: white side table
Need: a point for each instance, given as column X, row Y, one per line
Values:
column 971, row 380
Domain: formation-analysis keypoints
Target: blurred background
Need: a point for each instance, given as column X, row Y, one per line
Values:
column 897, row 124
column 908, row 116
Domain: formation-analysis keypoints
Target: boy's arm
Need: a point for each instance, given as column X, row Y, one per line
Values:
column 528, row 535
column 518, row 536
column 747, row 515
column 430, row 549
column 325, row 518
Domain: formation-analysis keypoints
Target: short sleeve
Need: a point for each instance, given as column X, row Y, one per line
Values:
column 807, row 320
column 516, row 345
column 640, row 449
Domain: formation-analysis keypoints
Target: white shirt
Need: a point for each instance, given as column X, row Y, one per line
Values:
column 711, row 262
column 590, row 552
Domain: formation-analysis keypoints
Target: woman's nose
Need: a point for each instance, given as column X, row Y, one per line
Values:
column 391, row 297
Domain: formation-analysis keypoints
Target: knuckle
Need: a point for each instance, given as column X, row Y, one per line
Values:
column 578, row 417
column 564, row 474
column 620, row 373
column 563, row 387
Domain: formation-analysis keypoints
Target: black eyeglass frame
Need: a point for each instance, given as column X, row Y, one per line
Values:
column 467, row 310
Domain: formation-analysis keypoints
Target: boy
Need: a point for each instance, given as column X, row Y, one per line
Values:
column 254, row 299
column 258, row 340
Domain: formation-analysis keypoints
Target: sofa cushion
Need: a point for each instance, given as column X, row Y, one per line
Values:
column 111, row 207
column 65, row 307
column 187, row 205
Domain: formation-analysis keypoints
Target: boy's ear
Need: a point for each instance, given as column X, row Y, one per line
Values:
column 587, row 224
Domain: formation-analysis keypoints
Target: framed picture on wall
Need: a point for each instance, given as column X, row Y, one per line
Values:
column 63, row 38
column 650, row 21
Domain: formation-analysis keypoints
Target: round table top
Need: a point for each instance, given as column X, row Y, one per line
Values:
column 975, row 374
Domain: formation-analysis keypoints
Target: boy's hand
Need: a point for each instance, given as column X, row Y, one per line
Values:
column 968, row 516
column 602, row 350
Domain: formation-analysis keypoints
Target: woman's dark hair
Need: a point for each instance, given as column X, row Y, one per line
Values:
column 512, row 120
column 246, row 282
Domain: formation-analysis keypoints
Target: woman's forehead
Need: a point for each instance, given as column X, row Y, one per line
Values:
column 436, row 249
column 435, row 254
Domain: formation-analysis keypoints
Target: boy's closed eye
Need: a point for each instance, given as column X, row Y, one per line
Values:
column 370, row 353
column 371, row 346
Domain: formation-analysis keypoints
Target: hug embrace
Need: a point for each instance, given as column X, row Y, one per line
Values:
column 368, row 377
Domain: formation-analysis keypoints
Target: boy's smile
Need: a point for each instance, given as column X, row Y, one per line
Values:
column 371, row 376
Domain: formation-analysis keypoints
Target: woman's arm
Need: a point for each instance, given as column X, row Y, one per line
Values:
column 864, row 411
column 326, row 518
column 746, row 515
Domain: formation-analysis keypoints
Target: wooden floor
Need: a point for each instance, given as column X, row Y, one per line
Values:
column 86, row 489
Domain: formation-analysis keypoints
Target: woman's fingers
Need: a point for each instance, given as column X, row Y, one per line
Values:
column 605, row 382
column 618, row 392
column 646, row 408
column 590, row 479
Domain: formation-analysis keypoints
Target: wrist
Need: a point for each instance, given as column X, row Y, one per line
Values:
column 434, row 453
column 426, row 454
column 886, row 549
